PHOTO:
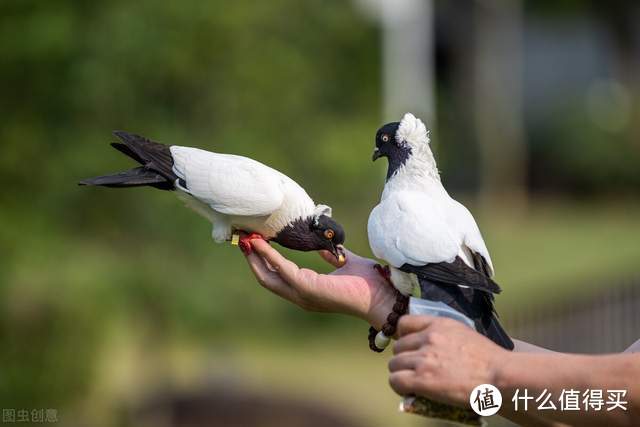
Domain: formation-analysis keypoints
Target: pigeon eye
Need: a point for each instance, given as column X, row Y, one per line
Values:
column 385, row 138
column 329, row 234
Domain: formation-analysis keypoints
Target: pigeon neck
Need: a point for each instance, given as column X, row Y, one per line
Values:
column 296, row 235
column 420, row 167
column 296, row 204
column 396, row 162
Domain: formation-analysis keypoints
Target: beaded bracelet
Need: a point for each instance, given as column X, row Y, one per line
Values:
column 379, row 340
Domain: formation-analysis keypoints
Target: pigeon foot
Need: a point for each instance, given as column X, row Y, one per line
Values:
column 245, row 242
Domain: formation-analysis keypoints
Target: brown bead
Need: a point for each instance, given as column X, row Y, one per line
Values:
column 388, row 329
column 393, row 318
column 400, row 307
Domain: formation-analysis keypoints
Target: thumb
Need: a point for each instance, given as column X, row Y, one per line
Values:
column 330, row 258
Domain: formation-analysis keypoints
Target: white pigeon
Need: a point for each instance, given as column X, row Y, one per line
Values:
column 235, row 193
column 430, row 241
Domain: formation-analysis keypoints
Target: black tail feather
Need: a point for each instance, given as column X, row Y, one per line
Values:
column 127, row 151
column 476, row 304
column 155, row 158
column 136, row 177
column 150, row 154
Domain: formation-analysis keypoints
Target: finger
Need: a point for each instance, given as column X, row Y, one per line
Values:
column 403, row 382
column 288, row 270
column 267, row 278
column 413, row 323
column 330, row 258
column 409, row 342
column 404, row 362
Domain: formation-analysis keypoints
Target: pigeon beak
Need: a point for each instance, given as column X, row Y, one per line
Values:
column 338, row 252
column 376, row 154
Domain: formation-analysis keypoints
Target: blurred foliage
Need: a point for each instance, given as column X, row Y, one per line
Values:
column 293, row 84
column 574, row 156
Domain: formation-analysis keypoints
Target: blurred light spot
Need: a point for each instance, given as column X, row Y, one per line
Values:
column 608, row 105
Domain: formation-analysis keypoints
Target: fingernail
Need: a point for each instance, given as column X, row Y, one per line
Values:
column 245, row 247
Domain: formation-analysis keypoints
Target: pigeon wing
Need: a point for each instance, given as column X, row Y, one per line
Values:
column 231, row 185
column 410, row 232
column 456, row 273
column 461, row 219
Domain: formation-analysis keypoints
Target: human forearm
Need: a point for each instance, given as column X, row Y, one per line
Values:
column 557, row 372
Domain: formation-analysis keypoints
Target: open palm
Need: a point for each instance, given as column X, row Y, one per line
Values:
column 355, row 288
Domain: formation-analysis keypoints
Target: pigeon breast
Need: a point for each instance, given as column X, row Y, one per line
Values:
column 408, row 227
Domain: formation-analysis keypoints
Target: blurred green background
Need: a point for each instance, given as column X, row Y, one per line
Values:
column 109, row 299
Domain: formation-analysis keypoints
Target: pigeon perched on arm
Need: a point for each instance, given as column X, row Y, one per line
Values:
column 235, row 193
column 430, row 241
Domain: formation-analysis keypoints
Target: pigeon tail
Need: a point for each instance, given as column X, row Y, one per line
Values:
column 136, row 177
column 156, row 160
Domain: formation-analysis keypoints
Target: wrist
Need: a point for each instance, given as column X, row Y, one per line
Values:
column 500, row 368
column 381, row 305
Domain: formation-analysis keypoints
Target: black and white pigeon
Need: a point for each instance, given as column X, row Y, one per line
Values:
column 430, row 241
column 235, row 193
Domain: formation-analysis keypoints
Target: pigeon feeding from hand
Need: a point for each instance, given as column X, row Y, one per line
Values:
column 235, row 193
column 431, row 241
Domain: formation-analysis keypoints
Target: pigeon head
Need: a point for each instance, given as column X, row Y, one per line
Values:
column 313, row 233
column 329, row 235
column 399, row 141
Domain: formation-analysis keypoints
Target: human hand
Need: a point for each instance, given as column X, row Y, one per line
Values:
column 356, row 288
column 442, row 359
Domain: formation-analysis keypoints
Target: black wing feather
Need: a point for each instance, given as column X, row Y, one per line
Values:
column 455, row 273
column 481, row 264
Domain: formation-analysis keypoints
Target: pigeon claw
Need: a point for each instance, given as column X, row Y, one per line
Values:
column 245, row 242
column 385, row 272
